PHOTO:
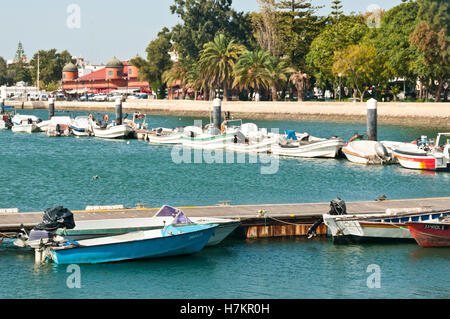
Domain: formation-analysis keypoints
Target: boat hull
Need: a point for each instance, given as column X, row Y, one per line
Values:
column 431, row 234
column 388, row 228
column 209, row 142
column 25, row 128
column 327, row 149
column 118, row 131
column 109, row 228
column 422, row 162
column 180, row 244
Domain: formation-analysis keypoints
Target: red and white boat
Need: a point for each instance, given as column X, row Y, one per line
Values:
column 431, row 234
column 427, row 157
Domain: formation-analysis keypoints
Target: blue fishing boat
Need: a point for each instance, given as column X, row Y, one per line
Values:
column 169, row 241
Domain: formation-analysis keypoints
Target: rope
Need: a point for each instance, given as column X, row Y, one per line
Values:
column 264, row 214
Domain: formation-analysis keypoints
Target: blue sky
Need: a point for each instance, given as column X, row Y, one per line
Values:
column 107, row 27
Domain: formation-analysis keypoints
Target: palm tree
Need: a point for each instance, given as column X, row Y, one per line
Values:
column 298, row 79
column 251, row 70
column 278, row 72
column 217, row 61
column 177, row 73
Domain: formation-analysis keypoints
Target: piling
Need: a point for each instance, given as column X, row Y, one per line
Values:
column 51, row 108
column 118, row 111
column 372, row 120
column 2, row 104
column 217, row 110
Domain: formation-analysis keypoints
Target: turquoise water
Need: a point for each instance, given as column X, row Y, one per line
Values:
column 41, row 172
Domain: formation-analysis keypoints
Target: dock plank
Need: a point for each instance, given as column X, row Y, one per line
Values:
column 13, row 222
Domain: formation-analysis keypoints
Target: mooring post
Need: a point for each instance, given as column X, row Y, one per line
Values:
column 2, row 104
column 51, row 108
column 372, row 120
column 118, row 111
column 217, row 112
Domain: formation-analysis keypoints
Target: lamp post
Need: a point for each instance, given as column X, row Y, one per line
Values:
column 340, row 78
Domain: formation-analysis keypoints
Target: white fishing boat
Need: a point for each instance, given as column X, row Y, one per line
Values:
column 304, row 145
column 83, row 126
column 368, row 152
column 166, row 136
column 59, row 126
column 211, row 140
column 425, row 156
column 25, row 123
column 255, row 141
column 113, row 131
column 388, row 226
column 6, row 115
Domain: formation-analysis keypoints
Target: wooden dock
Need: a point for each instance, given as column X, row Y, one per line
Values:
column 265, row 220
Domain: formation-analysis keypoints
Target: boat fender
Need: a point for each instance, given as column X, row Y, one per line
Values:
column 106, row 118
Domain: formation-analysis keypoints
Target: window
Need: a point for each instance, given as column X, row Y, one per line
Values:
column 64, row 76
column 130, row 71
column 119, row 73
column 110, row 73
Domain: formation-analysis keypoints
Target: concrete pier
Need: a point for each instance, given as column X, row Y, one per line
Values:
column 265, row 220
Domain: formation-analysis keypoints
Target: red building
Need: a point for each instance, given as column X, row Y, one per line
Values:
column 117, row 76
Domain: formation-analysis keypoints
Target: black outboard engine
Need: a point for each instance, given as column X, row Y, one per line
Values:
column 54, row 218
column 337, row 207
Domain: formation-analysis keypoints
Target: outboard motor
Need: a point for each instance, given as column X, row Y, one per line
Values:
column 54, row 218
column 337, row 207
column 382, row 152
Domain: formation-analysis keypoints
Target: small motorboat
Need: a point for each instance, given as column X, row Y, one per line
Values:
column 213, row 139
column 388, row 226
column 166, row 215
column 426, row 156
column 368, row 152
column 6, row 115
column 169, row 241
column 255, row 140
column 166, row 136
column 83, row 126
column 59, row 126
column 305, row 145
column 431, row 234
column 113, row 131
column 25, row 123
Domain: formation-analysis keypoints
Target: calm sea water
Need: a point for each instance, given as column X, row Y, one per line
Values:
column 41, row 172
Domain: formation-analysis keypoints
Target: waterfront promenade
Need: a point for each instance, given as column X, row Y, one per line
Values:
column 397, row 113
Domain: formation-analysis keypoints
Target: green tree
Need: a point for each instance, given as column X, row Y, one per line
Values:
column 298, row 27
column 350, row 31
column 178, row 74
column 202, row 19
column 432, row 37
column 20, row 70
column 393, row 44
column 158, row 61
column 359, row 65
column 278, row 73
column 251, row 71
column 217, row 61
column 51, row 64
column 3, row 72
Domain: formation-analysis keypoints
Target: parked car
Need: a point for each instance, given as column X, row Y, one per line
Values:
column 102, row 97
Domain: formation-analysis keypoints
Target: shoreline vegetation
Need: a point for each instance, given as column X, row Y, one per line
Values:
column 395, row 113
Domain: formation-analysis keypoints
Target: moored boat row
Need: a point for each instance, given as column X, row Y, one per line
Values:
column 168, row 233
column 428, row 228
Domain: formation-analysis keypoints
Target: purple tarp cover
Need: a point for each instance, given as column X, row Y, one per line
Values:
column 179, row 216
column 167, row 211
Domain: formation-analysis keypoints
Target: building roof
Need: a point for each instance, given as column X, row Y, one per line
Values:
column 70, row 67
column 114, row 63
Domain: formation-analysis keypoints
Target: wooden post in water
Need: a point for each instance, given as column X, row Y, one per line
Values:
column 372, row 120
column 217, row 112
column 118, row 111
column 51, row 108
column 2, row 104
